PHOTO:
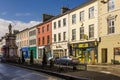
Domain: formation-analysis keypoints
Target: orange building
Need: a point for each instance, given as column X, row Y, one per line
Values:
column 44, row 38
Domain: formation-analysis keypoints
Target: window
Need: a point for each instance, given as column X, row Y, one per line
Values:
column 111, row 26
column 38, row 41
column 42, row 29
column 73, row 18
column 91, row 12
column 59, row 23
column 59, row 36
column 54, row 37
column 74, row 34
column 117, row 51
column 54, row 25
column 81, row 32
column 48, row 27
column 91, row 31
column 38, row 30
column 48, row 39
column 64, row 36
column 43, row 40
column 64, row 22
column 82, row 16
column 111, row 5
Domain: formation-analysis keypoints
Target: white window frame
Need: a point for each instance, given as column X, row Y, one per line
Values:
column 82, row 16
column 111, row 26
column 91, row 12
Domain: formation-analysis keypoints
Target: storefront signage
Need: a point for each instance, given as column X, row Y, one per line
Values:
column 83, row 45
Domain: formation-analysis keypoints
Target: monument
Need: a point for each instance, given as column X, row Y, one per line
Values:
column 10, row 45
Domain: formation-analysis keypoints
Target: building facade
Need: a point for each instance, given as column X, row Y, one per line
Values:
column 32, row 41
column 60, row 34
column 109, row 31
column 23, row 43
column 44, row 38
column 83, row 30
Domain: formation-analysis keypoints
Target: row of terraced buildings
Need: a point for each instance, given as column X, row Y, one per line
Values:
column 89, row 32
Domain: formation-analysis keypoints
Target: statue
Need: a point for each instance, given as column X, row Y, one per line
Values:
column 10, row 29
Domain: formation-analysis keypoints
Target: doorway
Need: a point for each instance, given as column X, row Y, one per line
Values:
column 104, row 55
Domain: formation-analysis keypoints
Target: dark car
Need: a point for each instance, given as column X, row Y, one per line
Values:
column 66, row 60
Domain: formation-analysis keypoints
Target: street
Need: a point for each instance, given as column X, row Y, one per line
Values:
column 8, row 72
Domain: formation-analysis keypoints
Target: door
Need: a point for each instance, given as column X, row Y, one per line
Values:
column 104, row 55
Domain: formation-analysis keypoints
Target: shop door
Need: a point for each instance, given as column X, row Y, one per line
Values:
column 104, row 55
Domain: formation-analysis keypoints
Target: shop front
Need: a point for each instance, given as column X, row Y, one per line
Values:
column 86, row 52
column 47, row 50
column 34, row 51
column 25, row 52
column 60, row 50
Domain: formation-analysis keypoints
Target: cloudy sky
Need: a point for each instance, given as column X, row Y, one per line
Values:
column 27, row 13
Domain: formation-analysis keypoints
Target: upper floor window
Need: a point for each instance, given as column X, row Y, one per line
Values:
column 64, row 22
column 73, row 18
column 38, row 41
column 42, row 29
column 64, row 36
column 73, row 34
column 81, row 32
column 91, row 12
column 82, row 16
column 59, row 36
column 111, row 5
column 54, row 25
column 54, row 37
column 59, row 23
column 38, row 30
column 48, row 27
column 43, row 40
column 48, row 39
column 111, row 26
column 91, row 31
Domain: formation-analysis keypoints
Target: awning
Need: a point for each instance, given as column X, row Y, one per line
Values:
column 41, row 47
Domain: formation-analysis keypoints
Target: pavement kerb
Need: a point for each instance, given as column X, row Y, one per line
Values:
column 105, row 66
column 61, row 75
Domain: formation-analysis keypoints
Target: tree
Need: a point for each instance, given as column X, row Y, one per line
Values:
column 44, row 60
column 23, row 59
column 31, row 57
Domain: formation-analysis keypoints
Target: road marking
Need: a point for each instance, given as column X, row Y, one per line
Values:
column 105, row 72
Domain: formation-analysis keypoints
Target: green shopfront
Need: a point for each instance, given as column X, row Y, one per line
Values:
column 86, row 52
column 34, row 51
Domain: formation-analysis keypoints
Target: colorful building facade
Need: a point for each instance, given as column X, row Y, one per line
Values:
column 109, row 31
column 32, row 41
column 44, row 38
column 23, row 43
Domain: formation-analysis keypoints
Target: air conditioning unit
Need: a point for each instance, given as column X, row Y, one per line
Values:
column 104, row 1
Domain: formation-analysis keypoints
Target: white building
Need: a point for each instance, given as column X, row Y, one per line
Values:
column 83, row 30
column 60, row 34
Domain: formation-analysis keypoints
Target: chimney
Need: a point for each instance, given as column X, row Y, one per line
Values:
column 16, row 31
column 64, row 9
column 46, row 17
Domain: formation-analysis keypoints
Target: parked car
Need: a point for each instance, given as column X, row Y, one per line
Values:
column 66, row 60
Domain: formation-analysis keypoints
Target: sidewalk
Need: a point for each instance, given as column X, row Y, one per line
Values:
column 108, row 69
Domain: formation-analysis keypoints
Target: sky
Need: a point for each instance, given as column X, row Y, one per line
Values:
column 27, row 13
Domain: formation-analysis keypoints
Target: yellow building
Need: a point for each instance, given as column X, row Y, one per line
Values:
column 22, row 42
column 109, row 31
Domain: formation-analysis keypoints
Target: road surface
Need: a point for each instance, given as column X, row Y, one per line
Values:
column 8, row 72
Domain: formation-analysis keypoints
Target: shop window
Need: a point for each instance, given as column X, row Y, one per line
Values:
column 117, row 51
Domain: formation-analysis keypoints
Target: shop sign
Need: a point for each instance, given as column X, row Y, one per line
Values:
column 83, row 45
column 58, row 46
